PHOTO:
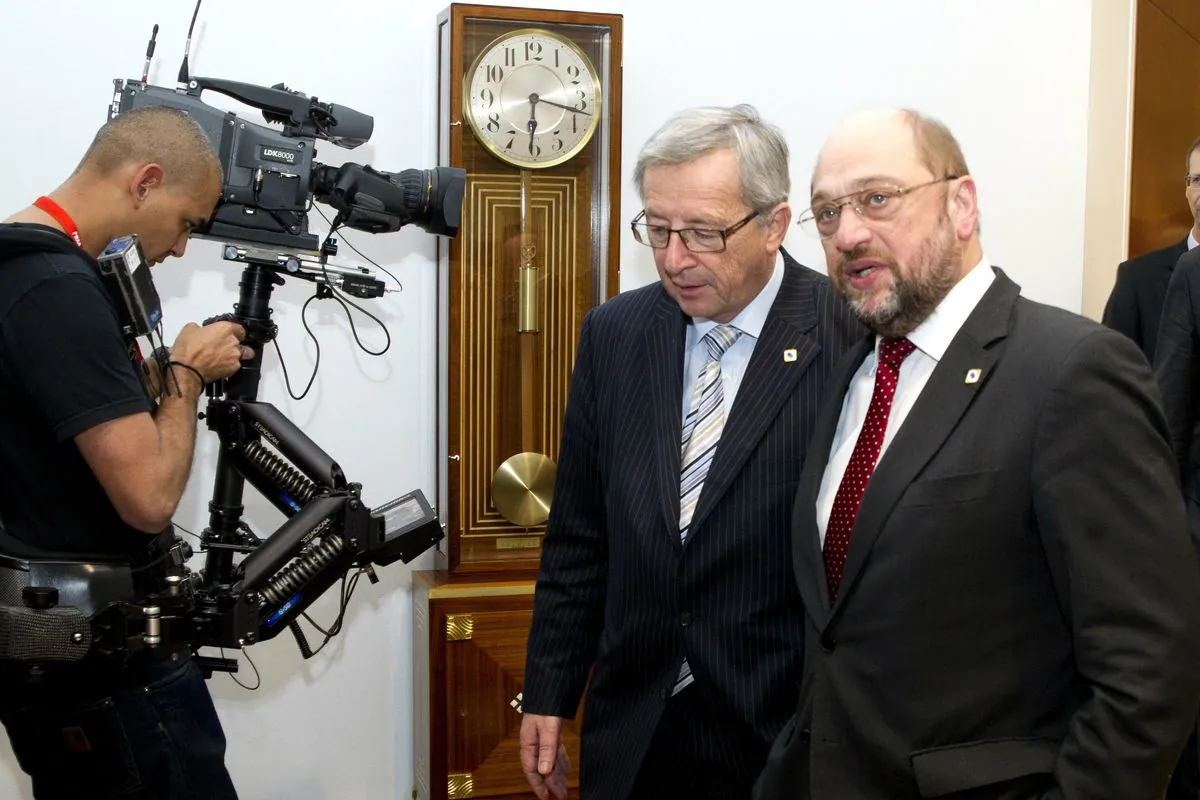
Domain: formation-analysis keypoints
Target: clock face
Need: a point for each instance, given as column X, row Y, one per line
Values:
column 533, row 98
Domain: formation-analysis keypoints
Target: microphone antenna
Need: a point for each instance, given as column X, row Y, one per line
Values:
column 149, row 53
column 187, row 46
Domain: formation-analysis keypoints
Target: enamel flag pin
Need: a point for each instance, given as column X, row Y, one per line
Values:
column 789, row 355
column 973, row 376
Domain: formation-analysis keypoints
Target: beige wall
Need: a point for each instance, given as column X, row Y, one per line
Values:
column 1110, row 117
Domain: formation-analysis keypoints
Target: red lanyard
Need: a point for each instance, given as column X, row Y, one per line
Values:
column 61, row 217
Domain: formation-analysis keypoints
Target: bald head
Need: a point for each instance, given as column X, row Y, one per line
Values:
column 154, row 135
column 902, row 137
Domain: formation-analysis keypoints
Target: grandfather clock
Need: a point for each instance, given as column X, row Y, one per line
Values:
column 529, row 104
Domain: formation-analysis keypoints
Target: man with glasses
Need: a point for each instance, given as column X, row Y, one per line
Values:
column 1001, row 597
column 665, row 571
column 1135, row 306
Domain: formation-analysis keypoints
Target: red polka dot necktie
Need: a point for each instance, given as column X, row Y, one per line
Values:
column 891, row 355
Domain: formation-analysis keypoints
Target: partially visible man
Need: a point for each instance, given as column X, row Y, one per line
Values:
column 93, row 469
column 1002, row 601
column 1135, row 306
column 1177, row 368
column 665, row 563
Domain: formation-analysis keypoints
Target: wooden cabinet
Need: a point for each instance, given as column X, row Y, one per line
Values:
column 469, row 666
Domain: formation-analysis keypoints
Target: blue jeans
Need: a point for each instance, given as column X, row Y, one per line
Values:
column 143, row 732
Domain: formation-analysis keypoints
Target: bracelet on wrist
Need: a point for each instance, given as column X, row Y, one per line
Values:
column 172, row 364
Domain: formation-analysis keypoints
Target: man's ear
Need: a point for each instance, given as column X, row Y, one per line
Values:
column 145, row 178
column 964, row 204
column 777, row 225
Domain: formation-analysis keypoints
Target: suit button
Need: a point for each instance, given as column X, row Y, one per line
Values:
column 685, row 619
column 805, row 736
column 827, row 642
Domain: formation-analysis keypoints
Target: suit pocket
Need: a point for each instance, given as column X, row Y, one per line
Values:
column 945, row 770
column 948, row 490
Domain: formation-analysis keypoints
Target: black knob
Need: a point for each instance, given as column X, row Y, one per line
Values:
column 805, row 736
column 685, row 618
column 40, row 597
column 827, row 642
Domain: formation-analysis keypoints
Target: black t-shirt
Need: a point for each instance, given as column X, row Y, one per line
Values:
column 64, row 367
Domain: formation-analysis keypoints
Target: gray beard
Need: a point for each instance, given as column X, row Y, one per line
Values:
column 911, row 300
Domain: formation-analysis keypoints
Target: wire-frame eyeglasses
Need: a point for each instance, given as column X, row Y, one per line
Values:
column 875, row 203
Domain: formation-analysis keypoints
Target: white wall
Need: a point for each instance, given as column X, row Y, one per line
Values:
column 1010, row 77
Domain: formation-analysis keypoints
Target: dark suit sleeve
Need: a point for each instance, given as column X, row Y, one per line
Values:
column 1113, row 525
column 1121, row 310
column 568, row 607
column 1174, row 362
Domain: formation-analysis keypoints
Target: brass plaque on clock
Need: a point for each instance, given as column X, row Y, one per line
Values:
column 529, row 104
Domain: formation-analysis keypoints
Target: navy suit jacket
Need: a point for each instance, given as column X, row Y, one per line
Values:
column 617, row 590
column 1135, row 306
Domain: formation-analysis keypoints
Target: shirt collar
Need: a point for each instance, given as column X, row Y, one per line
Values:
column 753, row 317
column 933, row 336
column 1192, row 239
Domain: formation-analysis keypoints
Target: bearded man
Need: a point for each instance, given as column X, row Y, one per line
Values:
column 1001, row 597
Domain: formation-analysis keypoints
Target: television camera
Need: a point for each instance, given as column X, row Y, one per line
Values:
column 64, row 609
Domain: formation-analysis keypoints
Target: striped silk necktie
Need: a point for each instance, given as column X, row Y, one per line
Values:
column 703, row 423
column 701, row 432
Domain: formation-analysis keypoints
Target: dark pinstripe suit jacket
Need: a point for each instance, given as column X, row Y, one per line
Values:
column 617, row 589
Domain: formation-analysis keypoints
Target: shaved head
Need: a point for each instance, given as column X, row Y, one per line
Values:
column 157, row 135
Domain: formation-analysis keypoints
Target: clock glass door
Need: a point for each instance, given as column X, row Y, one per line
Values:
column 536, row 250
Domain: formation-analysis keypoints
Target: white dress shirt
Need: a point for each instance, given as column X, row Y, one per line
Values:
column 733, row 364
column 932, row 337
column 1192, row 239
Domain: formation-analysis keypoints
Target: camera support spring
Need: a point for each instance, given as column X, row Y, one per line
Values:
column 278, row 470
column 303, row 569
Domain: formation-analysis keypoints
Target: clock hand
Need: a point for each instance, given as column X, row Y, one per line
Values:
column 565, row 108
column 532, row 124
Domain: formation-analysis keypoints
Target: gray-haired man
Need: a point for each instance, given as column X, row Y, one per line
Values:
column 666, row 566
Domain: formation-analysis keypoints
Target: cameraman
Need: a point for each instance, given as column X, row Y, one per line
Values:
column 93, row 468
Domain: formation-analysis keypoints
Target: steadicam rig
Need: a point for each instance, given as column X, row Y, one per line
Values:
column 250, row 588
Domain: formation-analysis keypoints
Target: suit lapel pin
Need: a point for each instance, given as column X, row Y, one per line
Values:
column 973, row 375
column 789, row 355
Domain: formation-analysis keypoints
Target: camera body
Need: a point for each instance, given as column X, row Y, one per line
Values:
column 270, row 177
